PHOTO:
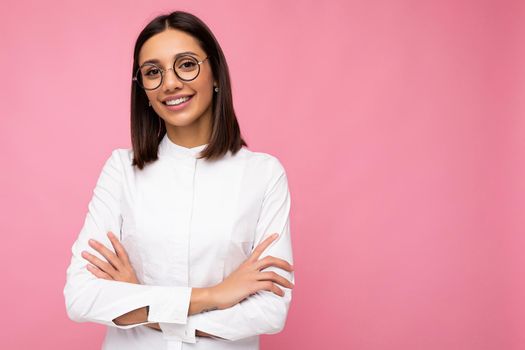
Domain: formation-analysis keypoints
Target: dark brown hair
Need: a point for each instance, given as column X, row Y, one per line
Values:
column 148, row 129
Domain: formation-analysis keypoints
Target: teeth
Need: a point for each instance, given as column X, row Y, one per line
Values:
column 177, row 101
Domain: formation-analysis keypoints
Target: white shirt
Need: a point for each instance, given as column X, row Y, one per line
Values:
column 184, row 222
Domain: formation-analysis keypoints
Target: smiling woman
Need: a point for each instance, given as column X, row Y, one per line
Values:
column 178, row 245
column 187, row 87
column 177, row 56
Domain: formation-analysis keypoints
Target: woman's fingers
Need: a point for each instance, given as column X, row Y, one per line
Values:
column 262, row 246
column 111, row 257
column 275, row 277
column 98, row 272
column 101, row 264
column 271, row 287
column 119, row 248
column 268, row 261
column 117, row 266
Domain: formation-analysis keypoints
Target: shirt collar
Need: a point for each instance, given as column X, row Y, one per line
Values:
column 169, row 148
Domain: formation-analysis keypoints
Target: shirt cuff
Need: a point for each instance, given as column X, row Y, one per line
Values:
column 170, row 305
column 181, row 332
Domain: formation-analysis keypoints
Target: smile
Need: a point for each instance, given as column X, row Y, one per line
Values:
column 177, row 101
column 176, row 104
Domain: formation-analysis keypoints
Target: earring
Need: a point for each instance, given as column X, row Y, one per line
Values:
column 216, row 89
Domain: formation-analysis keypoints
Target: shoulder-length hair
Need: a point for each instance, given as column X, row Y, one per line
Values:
column 148, row 129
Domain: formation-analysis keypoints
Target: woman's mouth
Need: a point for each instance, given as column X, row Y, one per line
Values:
column 177, row 104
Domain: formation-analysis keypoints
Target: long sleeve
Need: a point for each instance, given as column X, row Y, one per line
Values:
column 93, row 299
column 264, row 312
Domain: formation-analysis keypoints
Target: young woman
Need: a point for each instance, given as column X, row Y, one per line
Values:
column 177, row 249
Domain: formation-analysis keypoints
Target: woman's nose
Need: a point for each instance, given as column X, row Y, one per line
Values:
column 171, row 80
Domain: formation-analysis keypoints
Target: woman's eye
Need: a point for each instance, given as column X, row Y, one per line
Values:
column 153, row 72
column 188, row 64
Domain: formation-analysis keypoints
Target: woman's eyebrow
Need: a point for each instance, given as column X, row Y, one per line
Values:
column 154, row 60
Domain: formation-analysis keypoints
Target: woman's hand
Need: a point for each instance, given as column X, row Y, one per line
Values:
column 117, row 267
column 247, row 279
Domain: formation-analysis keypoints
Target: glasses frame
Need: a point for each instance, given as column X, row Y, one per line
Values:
column 162, row 71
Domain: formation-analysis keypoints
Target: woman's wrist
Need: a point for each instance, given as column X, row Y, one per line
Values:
column 201, row 300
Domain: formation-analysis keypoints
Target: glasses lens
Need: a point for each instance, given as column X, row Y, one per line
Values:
column 149, row 76
column 187, row 68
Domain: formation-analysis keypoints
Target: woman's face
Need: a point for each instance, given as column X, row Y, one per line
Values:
column 196, row 111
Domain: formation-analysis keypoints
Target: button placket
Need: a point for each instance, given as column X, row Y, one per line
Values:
column 174, row 345
column 185, row 169
column 193, row 167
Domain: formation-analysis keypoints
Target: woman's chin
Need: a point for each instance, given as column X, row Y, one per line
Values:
column 182, row 119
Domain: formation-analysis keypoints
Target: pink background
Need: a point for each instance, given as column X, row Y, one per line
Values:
column 401, row 125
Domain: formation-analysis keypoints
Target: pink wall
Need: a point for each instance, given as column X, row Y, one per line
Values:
column 401, row 126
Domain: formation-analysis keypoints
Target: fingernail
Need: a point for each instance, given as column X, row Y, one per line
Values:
column 110, row 234
column 275, row 235
column 92, row 241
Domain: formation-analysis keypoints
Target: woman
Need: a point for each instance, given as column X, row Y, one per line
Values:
column 177, row 248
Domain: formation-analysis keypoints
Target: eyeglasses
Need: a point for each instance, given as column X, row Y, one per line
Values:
column 150, row 76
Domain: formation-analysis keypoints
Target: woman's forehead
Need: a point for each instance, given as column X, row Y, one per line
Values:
column 163, row 47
